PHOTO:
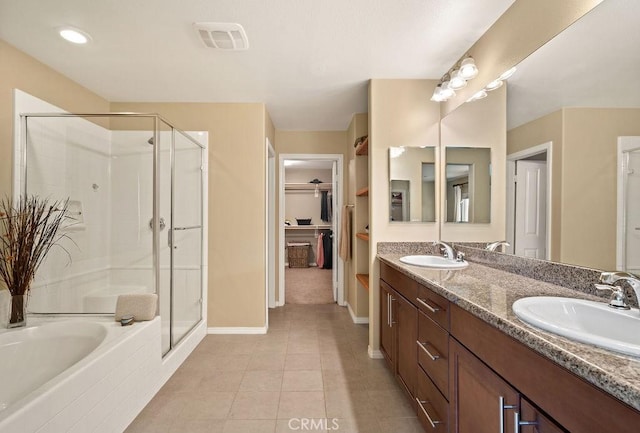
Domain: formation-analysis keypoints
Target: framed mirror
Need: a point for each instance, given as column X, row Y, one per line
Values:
column 468, row 186
column 412, row 188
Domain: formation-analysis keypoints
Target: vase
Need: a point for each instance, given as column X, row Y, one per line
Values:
column 18, row 311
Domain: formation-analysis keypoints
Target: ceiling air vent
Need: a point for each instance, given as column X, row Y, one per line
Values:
column 222, row 36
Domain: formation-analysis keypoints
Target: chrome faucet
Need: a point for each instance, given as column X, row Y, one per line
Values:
column 494, row 245
column 448, row 252
column 618, row 298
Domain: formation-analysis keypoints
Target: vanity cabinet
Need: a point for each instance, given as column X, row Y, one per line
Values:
column 466, row 376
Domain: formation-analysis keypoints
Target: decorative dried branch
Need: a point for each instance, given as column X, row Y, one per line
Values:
column 29, row 231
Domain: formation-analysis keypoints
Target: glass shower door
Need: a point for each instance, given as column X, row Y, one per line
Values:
column 186, row 242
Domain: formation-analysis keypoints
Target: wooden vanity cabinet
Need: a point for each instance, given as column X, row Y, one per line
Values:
column 455, row 368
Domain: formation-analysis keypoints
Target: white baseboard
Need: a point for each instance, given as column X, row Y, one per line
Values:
column 357, row 320
column 374, row 354
column 237, row 330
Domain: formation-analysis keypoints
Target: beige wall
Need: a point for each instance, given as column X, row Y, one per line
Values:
column 236, row 295
column 522, row 29
column 20, row 71
column 545, row 129
column 308, row 142
column 589, row 181
column 480, row 124
column 400, row 114
column 584, row 178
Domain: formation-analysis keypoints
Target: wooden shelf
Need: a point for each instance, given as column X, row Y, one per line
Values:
column 363, row 236
column 364, row 280
column 363, row 192
column 363, row 147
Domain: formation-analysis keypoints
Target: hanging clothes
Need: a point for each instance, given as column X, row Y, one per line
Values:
column 320, row 252
column 325, row 207
column 327, row 246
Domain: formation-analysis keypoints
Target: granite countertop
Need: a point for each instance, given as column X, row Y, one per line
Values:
column 489, row 293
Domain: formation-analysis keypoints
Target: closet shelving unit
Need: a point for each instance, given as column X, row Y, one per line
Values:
column 362, row 194
column 290, row 186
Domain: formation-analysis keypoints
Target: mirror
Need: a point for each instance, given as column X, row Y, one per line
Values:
column 412, row 191
column 567, row 105
column 468, row 188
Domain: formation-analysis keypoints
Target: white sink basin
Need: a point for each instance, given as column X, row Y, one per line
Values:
column 585, row 321
column 437, row 262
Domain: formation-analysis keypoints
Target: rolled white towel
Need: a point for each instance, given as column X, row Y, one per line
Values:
column 142, row 306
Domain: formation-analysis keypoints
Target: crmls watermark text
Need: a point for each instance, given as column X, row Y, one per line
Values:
column 310, row 424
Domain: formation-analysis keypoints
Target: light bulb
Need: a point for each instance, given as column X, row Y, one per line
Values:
column 468, row 68
column 457, row 82
column 446, row 91
column 74, row 35
column 506, row 74
column 478, row 95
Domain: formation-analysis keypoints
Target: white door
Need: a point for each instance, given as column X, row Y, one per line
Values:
column 531, row 209
column 632, row 212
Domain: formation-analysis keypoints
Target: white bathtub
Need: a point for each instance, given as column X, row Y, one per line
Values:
column 79, row 375
column 31, row 357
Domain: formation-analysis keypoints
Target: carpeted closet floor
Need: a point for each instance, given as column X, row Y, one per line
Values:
column 308, row 286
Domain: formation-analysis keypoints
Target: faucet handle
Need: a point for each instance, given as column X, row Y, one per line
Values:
column 460, row 256
column 618, row 299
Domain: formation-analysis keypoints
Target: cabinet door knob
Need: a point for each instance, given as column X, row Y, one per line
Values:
column 432, row 421
column 423, row 346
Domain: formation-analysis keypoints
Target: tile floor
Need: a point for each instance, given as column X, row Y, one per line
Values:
column 312, row 364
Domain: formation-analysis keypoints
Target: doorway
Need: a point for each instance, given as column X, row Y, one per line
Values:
column 628, row 224
column 310, row 193
column 528, row 202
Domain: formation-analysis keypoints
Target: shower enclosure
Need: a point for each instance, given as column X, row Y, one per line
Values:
column 135, row 188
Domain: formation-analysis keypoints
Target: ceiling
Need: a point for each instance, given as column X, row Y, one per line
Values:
column 594, row 63
column 308, row 60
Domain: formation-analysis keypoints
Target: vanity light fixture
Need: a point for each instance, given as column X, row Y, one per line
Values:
column 74, row 35
column 455, row 79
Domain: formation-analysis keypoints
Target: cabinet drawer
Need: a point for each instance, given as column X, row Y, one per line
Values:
column 399, row 281
column 433, row 305
column 433, row 409
column 433, row 352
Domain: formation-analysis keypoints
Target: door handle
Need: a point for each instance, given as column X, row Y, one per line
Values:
column 518, row 423
column 428, row 306
column 432, row 421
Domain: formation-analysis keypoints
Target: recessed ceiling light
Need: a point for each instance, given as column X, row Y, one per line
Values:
column 74, row 35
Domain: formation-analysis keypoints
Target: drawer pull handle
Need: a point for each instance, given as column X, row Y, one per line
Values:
column 433, row 422
column 503, row 407
column 423, row 346
column 519, row 423
column 427, row 306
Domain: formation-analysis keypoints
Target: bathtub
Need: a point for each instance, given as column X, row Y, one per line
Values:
column 86, row 374
column 31, row 357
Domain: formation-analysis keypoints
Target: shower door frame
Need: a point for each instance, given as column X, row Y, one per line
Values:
column 19, row 187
